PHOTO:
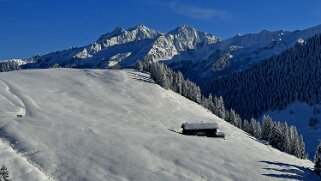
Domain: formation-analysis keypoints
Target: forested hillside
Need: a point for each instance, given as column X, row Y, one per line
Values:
column 295, row 75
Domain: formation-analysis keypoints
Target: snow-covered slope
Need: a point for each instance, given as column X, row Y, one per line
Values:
column 299, row 114
column 116, row 125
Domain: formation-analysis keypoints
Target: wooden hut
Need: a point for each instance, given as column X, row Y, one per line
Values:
column 201, row 129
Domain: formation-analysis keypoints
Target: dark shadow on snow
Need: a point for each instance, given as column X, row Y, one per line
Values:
column 175, row 131
column 143, row 80
column 289, row 171
column 140, row 77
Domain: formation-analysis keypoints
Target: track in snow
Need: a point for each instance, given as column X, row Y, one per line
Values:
column 8, row 155
column 13, row 99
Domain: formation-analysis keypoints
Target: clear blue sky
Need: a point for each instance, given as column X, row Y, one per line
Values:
column 29, row 27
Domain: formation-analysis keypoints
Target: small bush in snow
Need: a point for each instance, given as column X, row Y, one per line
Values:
column 56, row 66
column 4, row 173
column 313, row 122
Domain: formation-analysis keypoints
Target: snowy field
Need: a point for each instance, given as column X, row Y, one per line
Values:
column 116, row 125
column 299, row 114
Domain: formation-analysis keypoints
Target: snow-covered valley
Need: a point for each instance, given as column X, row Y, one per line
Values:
column 116, row 125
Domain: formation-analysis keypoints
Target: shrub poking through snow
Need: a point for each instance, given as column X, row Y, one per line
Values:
column 4, row 173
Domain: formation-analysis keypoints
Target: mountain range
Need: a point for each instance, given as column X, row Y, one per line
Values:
column 198, row 55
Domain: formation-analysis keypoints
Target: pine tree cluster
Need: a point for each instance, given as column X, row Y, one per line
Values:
column 166, row 78
column 9, row 66
column 279, row 135
column 283, row 137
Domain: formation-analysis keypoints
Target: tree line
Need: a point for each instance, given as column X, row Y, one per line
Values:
column 9, row 66
column 279, row 135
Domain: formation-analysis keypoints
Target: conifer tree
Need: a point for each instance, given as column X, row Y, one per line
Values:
column 235, row 119
column 179, row 82
column 275, row 138
column 246, row 126
column 258, row 133
column 253, row 127
column 221, row 107
column 139, row 66
column 294, row 143
column 211, row 104
column 285, row 137
column 317, row 160
column 266, row 127
column 302, row 152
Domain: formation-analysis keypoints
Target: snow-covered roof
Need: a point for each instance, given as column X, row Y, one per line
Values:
column 198, row 126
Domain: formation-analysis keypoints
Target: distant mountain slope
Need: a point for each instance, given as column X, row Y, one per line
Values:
column 274, row 83
column 116, row 125
column 239, row 52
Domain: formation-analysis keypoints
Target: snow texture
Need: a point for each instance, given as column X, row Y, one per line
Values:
column 116, row 125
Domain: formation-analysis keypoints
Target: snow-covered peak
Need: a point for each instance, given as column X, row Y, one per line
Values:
column 118, row 30
column 186, row 37
column 264, row 31
column 183, row 30
column 179, row 40
column 188, row 31
column 139, row 27
column 121, row 36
